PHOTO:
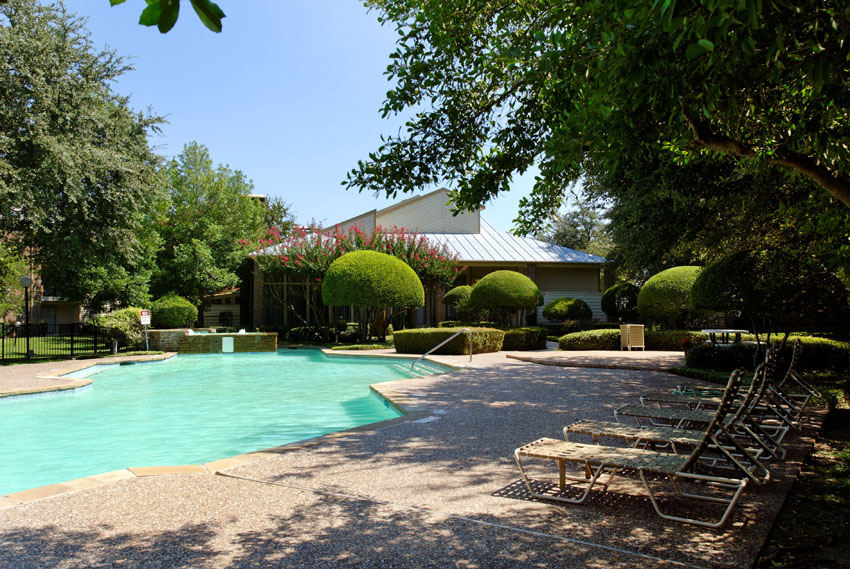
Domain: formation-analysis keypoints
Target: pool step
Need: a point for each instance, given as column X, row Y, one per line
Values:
column 421, row 368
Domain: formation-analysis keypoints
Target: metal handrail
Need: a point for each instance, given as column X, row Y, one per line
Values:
column 446, row 341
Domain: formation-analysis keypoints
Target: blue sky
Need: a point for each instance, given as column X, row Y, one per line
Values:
column 288, row 93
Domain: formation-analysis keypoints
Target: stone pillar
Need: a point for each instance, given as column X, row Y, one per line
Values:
column 257, row 302
column 439, row 293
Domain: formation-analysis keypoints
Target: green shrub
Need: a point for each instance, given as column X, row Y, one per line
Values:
column 172, row 311
column 458, row 293
column 590, row 340
column 526, row 338
column 566, row 308
column 816, row 355
column 620, row 302
column 311, row 334
column 450, row 324
column 369, row 278
column 420, row 340
column 123, row 326
column 672, row 340
column 505, row 292
column 571, row 326
column 666, row 297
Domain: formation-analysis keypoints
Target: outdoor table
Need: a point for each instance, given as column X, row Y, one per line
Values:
column 724, row 334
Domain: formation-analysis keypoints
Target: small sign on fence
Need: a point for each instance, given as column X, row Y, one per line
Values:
column 145, row 317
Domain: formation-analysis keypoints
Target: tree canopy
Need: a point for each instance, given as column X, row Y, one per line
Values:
column 78, row 181
column 497, row 86
column 164, row 13
column 209, row 210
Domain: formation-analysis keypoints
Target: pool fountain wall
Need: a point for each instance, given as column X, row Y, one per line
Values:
column 180, row 340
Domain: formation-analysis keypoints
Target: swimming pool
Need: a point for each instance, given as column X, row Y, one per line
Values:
column 188, row 409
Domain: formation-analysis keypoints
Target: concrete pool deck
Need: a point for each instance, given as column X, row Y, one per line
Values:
column 440, row 489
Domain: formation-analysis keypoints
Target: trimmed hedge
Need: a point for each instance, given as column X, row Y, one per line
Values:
column 620, row 301
column 172, row 311
column 457, row 294
column 505, row 290
column 590, row 340
column 609, row 339
column 311, row 334
column 369, row 278
column 527, row 338
column 817, row 354
column 420, row 340
column 566, row 308
column 666, row 297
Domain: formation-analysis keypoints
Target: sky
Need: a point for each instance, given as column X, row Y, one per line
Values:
column 289, row 93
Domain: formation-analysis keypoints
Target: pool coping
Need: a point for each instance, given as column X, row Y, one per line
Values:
column 409, row 408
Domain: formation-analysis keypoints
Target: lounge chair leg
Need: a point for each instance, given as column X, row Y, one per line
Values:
column 590, row 483
column 738, row 485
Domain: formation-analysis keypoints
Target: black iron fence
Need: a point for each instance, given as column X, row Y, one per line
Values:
column 52, row 341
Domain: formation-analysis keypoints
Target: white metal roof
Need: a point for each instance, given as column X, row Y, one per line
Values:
column 492, row 245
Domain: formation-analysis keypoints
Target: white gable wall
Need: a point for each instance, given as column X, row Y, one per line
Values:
column 428, row 214
column 366, row 222
column 573, row 282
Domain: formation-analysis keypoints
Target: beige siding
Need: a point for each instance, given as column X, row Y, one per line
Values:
column 366, row 222
column 579, row 282
column 429, row 214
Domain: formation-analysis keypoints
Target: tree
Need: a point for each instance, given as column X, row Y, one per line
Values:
column 12, row 268
column 78, row 182
column 498, row 86
column 503, row 293
column 581, row 228
column 164, row 13
column 209, row 210
column 375, row 282
column 666, row 297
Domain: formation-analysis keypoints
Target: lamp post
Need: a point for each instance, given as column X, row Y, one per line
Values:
column 26, row 282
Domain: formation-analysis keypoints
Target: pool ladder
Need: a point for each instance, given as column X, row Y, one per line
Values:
column 444, row 342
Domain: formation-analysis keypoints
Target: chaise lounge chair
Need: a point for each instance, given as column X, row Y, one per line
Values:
column 598, row 460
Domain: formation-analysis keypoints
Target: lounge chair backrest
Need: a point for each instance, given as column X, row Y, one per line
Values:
column 727, row 406
column 795, row 358
column 761, row 377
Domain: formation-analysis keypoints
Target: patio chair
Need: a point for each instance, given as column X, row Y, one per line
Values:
column 598, row 460
column 730, row 454
column 752, row 421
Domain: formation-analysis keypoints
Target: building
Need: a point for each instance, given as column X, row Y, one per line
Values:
column 557, row 271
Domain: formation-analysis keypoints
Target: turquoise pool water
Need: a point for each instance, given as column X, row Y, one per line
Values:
column 189, row 409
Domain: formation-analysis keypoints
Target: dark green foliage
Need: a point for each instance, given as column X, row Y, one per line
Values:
column 123, row 326
column 559, row 84
column 420, row 340
column 709, row 375
column 369, row 278
column 457, row 294
column 775, row 289
column 505, row 292
column 78, row 181
column 450, row 324
column 311, row 334
column 566, row 308
column 164, row 13
column 672, row 340
column 590, row 340
column 609, row 339
column 620, row 302
column 172, row 311
column 666, row 297
column 817, row 354
column 526, row 338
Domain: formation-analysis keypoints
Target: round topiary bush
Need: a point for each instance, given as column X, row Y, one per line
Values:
column 619, row 302
column 172, row 311
column 369, row 278
column 566, row 308
column 504, row 292
column 457, row 294
column 666, row 297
